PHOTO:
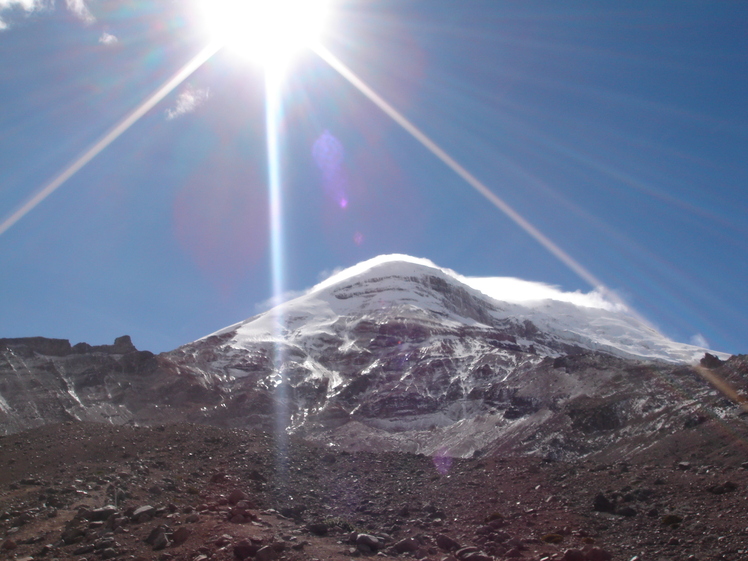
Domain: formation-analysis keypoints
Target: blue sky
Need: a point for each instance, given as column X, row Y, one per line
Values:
column 618, row 129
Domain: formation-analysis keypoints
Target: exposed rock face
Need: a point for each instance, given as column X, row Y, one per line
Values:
column 47, row 380
column 41, row 345
column 400, row 359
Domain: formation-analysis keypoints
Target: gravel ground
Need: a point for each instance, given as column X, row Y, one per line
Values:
column 199, row 493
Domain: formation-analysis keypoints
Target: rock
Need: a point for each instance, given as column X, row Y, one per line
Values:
column 102, row 514
column 501, row 537
column 371, row 543
column 446, row 543
column 408, row 545
column 266, row 553
column 516, row 543
column 497, row 523
column 671, row 520
column 317, row 528
column 711, row 361
column 236, row 495
column 598, row 554
column 574, row 555
column 223, row 541
column 108, row 553
column 82, row 550
column 726, row 487
column 159, row 537
column 103, row 543
column 9, row 545
column 552, row 538
column 41, row 345
column 72, row 534
column 626, row 511
column 463, row 552
column 122, row 345
column 694, row 421
column 244, row 549
column 161, row 542
column 192, row 518
column 602, row 504
column 180, row 536
column 143, row 514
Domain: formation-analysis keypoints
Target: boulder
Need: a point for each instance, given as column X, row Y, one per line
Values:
column 368, row 543
column 408, row 545
column 602, row 504
column 266, row 553
column 180, row 536
column 446, row 543
column 236, row 496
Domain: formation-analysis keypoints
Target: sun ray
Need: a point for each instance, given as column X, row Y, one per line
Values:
column 474, row 182
column 273, row 118
column 109, row 137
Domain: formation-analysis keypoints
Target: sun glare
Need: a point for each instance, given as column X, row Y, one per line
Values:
column 268, row 32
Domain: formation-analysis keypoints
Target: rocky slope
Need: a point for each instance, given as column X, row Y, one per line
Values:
column 199, row 493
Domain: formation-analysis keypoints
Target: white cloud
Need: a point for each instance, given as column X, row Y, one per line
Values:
column 274, row 301
column 28, row 5
column 79, row 8
column 187, row 101
column 699, row 340
column 322, row 276
column 108, row 39
column 510, row 289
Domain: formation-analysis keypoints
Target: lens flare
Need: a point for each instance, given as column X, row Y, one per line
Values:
column 328, row 154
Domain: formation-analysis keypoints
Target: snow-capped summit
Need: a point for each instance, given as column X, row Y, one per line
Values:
column 401, row 286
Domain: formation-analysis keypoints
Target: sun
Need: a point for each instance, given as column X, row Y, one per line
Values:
column 268, row 32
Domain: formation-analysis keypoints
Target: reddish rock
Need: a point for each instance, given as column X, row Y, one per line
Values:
column 574, row 555
column 446, row 543
column 244, row 549
column 408, row 545
column 598, row 554
column 266, row 553
column 235, row 496
column 180, row 535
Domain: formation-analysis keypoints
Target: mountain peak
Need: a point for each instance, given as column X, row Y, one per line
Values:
column 388, row 287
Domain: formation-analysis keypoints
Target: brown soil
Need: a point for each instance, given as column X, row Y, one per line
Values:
column 684, row 499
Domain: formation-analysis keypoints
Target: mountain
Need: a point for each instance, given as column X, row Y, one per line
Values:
column 396, row 354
